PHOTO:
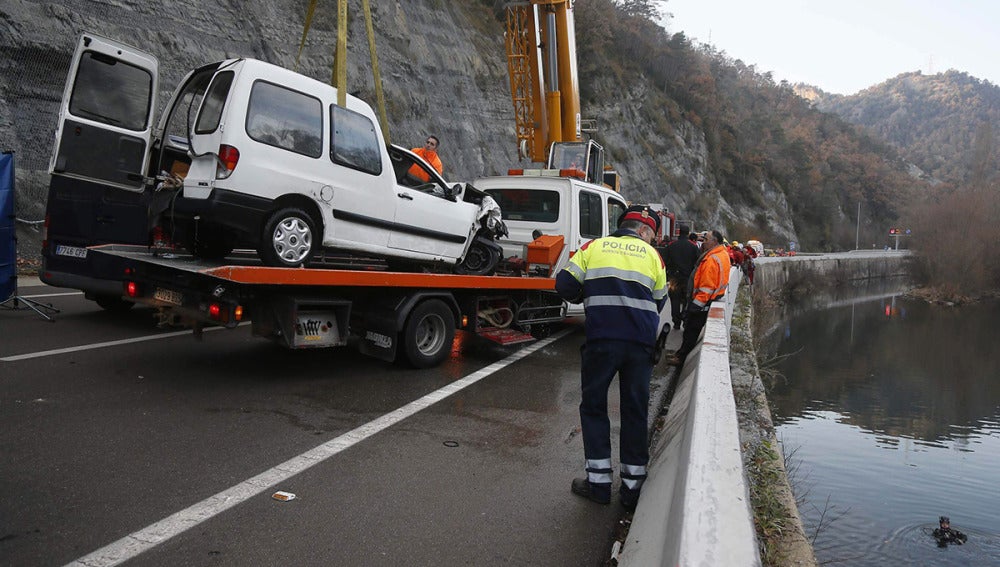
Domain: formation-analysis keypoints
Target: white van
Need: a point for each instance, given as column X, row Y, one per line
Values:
column 268, row 159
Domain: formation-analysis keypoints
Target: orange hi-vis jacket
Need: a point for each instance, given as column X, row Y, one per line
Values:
column 711, row 278
column 430, row 157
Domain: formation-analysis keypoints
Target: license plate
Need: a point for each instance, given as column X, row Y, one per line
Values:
column 168, row 296
column 71, row 251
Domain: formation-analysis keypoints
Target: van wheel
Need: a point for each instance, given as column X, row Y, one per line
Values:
column 428, row 334
column 481, row 260
column 288, row 239
column 113, row 303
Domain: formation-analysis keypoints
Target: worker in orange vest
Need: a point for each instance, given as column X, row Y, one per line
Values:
column 708, row 283
column 430, row 155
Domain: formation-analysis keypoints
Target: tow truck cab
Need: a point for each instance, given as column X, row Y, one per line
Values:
column 555, row 206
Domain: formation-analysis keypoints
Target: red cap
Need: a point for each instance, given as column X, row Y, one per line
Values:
column 645, row 216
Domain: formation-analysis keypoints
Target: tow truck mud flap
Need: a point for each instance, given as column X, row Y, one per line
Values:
column 378, row 335
column 303, row 322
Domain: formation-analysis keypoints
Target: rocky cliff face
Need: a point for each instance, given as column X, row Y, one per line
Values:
column 443, row 69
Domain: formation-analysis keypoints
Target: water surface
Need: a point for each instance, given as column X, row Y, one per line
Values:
column 890, row 410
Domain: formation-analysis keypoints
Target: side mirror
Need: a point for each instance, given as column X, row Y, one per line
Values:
column 455, row 190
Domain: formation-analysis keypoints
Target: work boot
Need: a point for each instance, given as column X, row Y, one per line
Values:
column 629, row 498
column 600, row 493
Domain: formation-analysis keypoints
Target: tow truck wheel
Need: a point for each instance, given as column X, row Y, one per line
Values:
column 288, row 239
column 481, row 260
column 428, row 334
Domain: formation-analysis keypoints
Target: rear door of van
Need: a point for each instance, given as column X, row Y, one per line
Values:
column 100, row 157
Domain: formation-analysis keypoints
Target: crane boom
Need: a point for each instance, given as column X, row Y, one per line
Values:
column 541, row 59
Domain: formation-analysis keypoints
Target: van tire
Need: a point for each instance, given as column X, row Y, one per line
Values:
column 481, row 260
column 288, row 239
column 428, row 334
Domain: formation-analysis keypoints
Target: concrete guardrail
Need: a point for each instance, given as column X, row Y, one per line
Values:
column 695, row 505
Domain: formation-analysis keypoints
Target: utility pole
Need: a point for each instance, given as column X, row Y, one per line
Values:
column 857, row 233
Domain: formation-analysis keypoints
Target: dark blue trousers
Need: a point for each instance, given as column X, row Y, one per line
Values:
column 601, row 360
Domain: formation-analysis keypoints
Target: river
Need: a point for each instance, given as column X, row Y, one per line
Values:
column 888, row 411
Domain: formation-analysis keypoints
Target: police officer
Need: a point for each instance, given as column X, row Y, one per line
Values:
column 622, row 283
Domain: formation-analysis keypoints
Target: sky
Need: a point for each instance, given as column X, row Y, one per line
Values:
column 844, row 46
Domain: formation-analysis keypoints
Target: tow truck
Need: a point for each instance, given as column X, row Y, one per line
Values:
column 403, row 317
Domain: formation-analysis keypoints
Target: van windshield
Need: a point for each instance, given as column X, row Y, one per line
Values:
column 112, row 92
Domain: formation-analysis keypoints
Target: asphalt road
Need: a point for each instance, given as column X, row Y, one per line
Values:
column 163, row 450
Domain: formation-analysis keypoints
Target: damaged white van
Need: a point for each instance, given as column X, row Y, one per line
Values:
column 268, row 160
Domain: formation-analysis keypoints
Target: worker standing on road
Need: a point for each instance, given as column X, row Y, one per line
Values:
column 708, row 283
column 681, row 256
column 622, row 283
column 429, row 153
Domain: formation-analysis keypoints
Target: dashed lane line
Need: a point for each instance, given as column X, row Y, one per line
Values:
column 57, row 351
column 149, row 537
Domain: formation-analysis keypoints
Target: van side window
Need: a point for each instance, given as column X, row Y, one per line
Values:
column 354, row 142
column 527, row 204
column 112, row 92
column 285, row 119
column 215, row 100
column 591, row 215
column 615, row 210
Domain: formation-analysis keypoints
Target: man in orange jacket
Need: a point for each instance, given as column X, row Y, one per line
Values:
column 430, row 155
column 709, row 282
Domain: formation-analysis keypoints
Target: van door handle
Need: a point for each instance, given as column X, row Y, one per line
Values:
column 406, row 196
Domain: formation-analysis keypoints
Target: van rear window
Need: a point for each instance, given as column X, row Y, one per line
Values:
column 527, row 204
column 215, row 101
column 112, row 92
column 285, row 119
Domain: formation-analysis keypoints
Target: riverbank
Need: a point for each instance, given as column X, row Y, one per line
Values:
column 780, row 535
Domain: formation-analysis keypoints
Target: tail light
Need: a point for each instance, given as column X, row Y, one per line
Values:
column 215, row 311
column 228, row 158
column 131, row 289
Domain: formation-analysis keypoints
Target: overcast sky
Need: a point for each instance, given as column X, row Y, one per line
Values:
column 844, row 46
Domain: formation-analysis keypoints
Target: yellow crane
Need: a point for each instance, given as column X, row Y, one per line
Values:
column 544, row 86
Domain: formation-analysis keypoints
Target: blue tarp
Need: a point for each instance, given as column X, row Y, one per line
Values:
column 8, row 240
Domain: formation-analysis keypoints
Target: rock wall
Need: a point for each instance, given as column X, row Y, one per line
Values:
column 444, row 71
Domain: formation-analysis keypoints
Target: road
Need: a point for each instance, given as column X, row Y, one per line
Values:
column 163, row 450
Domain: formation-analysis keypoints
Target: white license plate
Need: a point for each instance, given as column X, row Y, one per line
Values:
column 71, row 251
column 168, row 296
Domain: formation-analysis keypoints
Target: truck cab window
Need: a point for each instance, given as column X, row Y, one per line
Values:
column 354, row 142
column 615, row 210
column 112, row 92
column 286, row 119
column 590, row 215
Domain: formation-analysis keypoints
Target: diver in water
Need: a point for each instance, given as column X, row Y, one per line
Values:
column 945, row 535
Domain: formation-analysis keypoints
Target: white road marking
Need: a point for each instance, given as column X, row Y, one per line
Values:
column 154, row 534
column 42, row 295
column 56, row 351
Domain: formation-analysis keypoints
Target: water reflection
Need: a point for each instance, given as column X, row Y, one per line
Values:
column 892, row 410
column 893, row 367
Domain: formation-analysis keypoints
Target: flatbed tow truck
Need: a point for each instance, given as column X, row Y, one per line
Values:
column 403, row 317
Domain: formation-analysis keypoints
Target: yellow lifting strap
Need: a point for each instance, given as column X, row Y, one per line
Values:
column 339, row 78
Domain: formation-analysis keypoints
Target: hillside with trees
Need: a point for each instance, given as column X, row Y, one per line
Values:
column 709, row 136
column 764, row 142
column 945, row 124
